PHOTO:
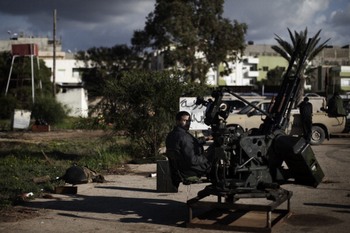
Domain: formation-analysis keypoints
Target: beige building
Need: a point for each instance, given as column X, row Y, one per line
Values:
column 332, row 73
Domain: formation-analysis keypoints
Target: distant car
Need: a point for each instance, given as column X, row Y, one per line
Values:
column 312, row 95
column 248, row 94
column 249, row 118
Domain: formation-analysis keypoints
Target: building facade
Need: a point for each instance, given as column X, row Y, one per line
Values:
column 332, row 65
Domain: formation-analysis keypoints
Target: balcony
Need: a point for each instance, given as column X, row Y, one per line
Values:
column 251, row 73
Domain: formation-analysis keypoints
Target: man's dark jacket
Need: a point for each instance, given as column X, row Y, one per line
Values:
column 191, row 161
column 306, row 119
column 306, row 111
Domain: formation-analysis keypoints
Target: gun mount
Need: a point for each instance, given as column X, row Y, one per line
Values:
column 250, row 164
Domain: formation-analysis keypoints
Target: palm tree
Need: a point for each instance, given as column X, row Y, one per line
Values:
column 286, row 49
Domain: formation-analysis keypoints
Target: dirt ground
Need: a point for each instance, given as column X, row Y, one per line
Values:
column 131, row 203
column 37, row 137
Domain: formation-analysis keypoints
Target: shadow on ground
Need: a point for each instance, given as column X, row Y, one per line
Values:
column 125, row 209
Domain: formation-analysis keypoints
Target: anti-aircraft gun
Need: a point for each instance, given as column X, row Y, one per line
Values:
column 250, row 164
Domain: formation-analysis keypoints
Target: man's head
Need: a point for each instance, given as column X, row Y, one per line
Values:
column 306, row 99
column 183, row 119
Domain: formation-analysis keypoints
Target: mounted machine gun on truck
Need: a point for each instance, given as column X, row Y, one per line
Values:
column 249, row 165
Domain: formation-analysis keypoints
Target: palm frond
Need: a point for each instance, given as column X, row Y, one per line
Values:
column 302, row 38
column 291, row 37
column 300, row 42
column 281, row 52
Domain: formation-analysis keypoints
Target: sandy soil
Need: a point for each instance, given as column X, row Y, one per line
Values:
column 131, row 203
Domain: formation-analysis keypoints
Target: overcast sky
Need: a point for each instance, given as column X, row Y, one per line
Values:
column 82, row 24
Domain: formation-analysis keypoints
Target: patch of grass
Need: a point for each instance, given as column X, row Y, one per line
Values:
column 67, row 123
column 20, row 171
column 91, row 123
column 105, row 157
column 21, row 162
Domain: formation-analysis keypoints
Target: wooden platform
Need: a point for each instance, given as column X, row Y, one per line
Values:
column 238, row 220
column 255, row 215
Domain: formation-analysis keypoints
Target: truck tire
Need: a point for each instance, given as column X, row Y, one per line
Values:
column 318, row 135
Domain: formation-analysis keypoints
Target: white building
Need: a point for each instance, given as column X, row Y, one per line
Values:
column 70, row 92
column 242, row 72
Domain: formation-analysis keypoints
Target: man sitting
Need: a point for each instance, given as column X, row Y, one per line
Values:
column 185, row 150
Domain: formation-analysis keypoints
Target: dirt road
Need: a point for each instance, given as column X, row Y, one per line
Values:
column 130, row 203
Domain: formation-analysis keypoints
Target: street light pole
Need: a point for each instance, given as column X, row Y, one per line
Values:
column 54, row 55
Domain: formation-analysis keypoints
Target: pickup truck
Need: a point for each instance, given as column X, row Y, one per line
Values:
column 323, row 126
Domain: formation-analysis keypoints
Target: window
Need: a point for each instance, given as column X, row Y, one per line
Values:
column 265, row 68
column 76, row 72
column 254, row 67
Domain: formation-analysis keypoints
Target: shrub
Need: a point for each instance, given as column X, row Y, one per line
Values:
column 8, row 104
column 48, row 109
column 143, row 104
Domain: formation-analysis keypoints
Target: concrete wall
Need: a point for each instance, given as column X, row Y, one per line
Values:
column 75, row 99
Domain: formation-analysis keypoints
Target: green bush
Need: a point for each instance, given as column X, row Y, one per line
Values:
column 45, row 108
column 143, row 104
column 48, row 109
column 8, row 104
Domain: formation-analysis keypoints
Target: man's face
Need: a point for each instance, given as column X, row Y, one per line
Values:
column 185, row 122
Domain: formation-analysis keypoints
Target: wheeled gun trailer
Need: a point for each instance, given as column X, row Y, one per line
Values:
column 249, row 165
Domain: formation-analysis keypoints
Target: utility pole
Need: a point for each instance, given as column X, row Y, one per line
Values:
column 54, row 55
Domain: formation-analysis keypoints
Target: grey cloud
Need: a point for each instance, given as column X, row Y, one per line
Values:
column 93, row 23
column 341, row 18
column 80, row 23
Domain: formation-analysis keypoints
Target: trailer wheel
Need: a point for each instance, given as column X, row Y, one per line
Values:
column 318, row 135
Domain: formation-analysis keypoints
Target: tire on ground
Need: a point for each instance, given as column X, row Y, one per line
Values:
column 318, row 135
